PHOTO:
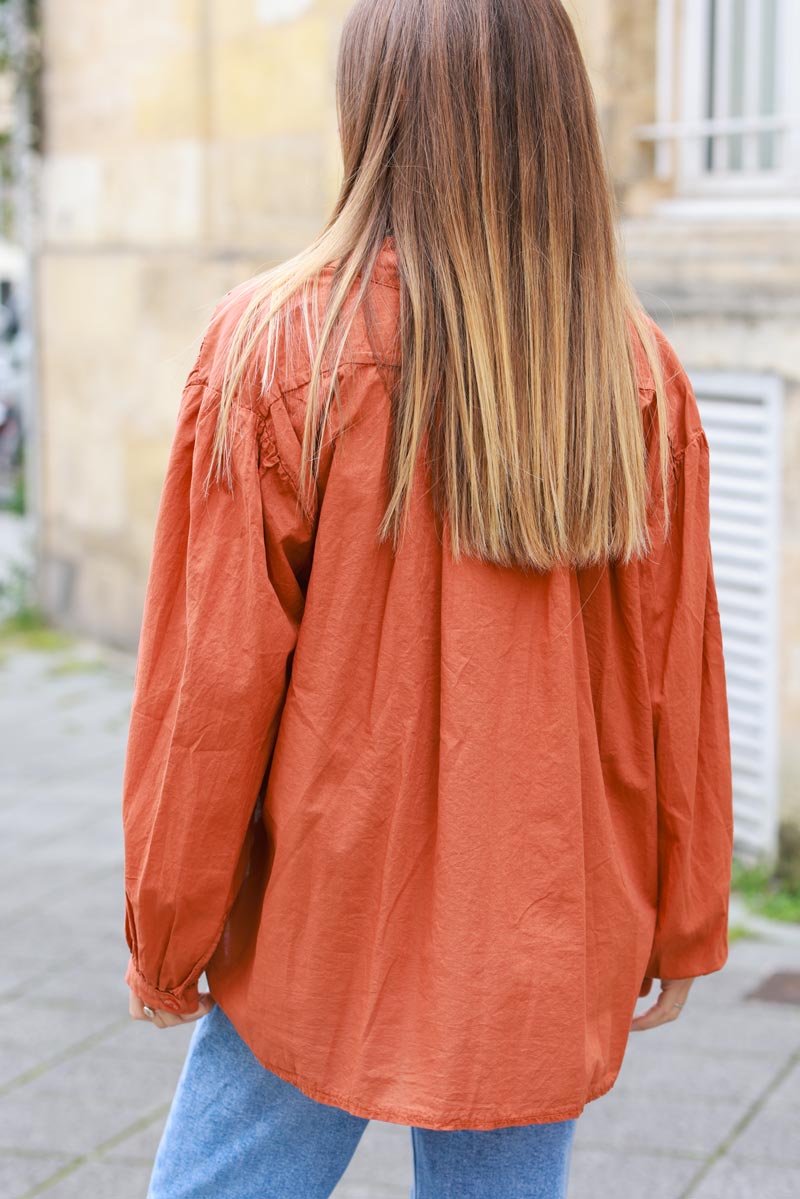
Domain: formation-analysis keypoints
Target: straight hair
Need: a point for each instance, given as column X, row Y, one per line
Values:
column 470, row 137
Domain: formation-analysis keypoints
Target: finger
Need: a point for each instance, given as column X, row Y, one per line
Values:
column 205, row 1005
column 663, row 1011
column 649, row 1019
column 136, row 1007
column 173, row 1019
column 167, row 1019
column 653, row 1018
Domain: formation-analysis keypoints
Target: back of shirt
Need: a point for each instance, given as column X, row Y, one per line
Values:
column 430, row 826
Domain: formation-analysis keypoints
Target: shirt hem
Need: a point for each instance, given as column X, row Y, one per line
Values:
column 420, row 1117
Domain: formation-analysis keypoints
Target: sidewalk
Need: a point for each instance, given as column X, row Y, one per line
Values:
column 707, row 1107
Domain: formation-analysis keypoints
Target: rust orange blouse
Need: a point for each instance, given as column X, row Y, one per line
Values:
column 430, row 828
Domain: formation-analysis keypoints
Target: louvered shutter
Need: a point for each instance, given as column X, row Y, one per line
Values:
column 741, row 414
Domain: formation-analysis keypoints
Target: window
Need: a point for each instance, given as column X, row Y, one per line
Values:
column 728, row 96
column 741, row 415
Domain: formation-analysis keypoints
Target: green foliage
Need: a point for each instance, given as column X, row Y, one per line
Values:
column 69, row 664
column 27, row 628
column 773, row 889
column 16, row 499
column 22, row 623
column 16, row 502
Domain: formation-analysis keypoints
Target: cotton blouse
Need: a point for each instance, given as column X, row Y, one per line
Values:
column 429, row 827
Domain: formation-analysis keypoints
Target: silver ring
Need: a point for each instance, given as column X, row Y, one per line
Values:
column 148, row 1011
column 677, row 1005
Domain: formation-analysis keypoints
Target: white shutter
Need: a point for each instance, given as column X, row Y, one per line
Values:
column 741, row 414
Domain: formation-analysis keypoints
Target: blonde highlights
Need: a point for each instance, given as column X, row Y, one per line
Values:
column 469, row 137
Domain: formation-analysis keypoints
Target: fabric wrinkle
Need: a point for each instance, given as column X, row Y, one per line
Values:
column 429, row 827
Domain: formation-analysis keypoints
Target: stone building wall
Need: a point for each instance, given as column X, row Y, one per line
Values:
column 188, row 143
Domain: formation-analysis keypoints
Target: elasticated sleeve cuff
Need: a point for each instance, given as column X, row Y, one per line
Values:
column 181, row 1002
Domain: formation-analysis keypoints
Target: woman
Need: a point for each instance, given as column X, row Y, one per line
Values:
column 428, row 765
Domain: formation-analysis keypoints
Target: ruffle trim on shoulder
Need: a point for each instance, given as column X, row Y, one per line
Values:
column 267, row 448
column 270, row 457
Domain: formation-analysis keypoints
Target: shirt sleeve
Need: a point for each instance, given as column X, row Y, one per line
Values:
column 223, row 604
column 690, row 728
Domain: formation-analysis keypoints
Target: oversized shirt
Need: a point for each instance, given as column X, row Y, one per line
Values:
column 429, row 827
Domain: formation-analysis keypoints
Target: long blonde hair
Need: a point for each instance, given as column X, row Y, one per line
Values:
column 470, row 137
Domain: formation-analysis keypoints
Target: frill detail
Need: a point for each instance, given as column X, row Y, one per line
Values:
column 267, row 447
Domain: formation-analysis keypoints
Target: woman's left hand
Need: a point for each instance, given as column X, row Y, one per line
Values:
column 165, row 1019
column 672, row 997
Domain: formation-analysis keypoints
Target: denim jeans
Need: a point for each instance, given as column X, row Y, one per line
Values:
column 237, row 1131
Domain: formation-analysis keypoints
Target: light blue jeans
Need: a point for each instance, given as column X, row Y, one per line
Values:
column 237, row 1131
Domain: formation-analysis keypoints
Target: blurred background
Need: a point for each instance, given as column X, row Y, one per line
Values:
column 151, row 157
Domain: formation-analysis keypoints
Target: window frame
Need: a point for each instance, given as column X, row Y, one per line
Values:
column 681, row 129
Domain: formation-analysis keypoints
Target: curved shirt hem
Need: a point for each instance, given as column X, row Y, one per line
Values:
column 419, row 1117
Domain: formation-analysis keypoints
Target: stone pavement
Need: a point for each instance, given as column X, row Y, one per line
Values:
column 708, row 1107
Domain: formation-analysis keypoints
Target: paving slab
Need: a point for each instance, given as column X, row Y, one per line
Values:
column 78, row 1104
column 139, row 1146
column 603, row 1174
column 672, row 1124
column 675, row 1073
column 730, row 1179
column 100, row 1180
column 772, row 1135
column 382, row 1164
column 21, row 1172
